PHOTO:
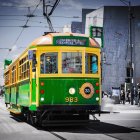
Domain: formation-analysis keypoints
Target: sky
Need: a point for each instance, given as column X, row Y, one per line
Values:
column 13, row 18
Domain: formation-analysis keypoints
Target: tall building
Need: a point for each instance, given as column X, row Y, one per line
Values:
column 115, row 23
column 84, row 13
column 76, row 27
column 67, row 28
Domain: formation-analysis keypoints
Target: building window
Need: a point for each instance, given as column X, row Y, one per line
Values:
column 94, row 20
column 71, row 62
column 91, row 63
column 49, row 63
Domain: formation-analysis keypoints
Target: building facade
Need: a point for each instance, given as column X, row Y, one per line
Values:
column 84, row 13
column 115, row 23
column 67, row 28
column 76, row 27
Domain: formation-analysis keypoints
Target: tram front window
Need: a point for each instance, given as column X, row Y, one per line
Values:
column 91, row 63
column 71, row 62
column 49, row 63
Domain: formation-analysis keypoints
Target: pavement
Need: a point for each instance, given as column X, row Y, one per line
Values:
column 124, row 125
column 108, row 105
column 2, row 104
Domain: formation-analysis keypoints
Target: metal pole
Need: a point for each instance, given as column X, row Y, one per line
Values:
column 131, row 53
column 128, row 3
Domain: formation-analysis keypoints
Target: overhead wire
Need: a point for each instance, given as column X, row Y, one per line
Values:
column 17, row 6
column 40, row 27
column 24, row 20
column 15, row 41
column 10, row 15
column 58, row 16
column 23, row 28
column 125, row 2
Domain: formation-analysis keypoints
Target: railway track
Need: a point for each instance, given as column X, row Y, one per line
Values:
column 102, row 129
column 91, row 129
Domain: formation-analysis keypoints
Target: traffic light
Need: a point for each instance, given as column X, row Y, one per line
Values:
column 122, row 86
column 7, row 62
column 129, row 72
column 97, row 33
column 127, row 80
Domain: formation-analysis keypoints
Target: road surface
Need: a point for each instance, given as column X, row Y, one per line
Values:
column 113, row 126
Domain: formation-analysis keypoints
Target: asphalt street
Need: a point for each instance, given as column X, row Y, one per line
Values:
column 113, row 126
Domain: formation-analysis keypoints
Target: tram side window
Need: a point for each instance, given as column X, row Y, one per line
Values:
column 72, row 62
column 14, row 74
column 49, row 63
column 91, row 63
column 7, row 80
column 23, row 69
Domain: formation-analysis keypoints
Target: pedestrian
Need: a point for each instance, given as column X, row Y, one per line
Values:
column 128, row 95
column 122, row 97
column 135, row 96
column 102, row 94
column 2, row 92
column 139, row 96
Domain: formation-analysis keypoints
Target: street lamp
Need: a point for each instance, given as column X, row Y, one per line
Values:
column 128, row 3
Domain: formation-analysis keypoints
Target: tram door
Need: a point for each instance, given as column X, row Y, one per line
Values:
column 33, row 62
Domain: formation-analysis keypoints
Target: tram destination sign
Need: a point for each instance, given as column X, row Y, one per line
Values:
column 71, row 41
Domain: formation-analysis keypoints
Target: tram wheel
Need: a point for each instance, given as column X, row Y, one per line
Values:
column 32, row 118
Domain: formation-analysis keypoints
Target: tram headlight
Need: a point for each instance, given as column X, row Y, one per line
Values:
column 42, row 99
column 72, row 91
column 97, row 98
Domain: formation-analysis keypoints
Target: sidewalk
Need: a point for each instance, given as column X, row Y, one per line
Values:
column 2, row 104
column 108, row 105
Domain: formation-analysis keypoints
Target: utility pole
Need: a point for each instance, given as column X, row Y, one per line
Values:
column 131, row 53
column 128, row 4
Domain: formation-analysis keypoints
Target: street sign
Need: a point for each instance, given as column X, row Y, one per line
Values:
column 7, row 62
column 96, row 32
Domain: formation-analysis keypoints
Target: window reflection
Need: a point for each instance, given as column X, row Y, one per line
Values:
column 71, row 62
column 91, row 63
column 49, row 63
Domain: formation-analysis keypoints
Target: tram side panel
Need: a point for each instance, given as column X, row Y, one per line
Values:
column 13, row 95
column 7, row 95
column 24, row 94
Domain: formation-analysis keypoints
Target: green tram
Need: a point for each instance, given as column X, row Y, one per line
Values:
column 56, row 79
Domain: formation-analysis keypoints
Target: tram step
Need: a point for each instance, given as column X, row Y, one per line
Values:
column 15, row 111
column 68, row 122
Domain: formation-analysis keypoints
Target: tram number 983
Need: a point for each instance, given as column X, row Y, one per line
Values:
column 71, row 99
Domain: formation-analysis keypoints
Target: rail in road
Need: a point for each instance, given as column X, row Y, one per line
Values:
column 12, row 128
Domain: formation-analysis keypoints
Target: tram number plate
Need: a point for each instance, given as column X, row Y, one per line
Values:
column 71, row 99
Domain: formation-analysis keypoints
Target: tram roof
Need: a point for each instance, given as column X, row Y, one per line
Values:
column 48, row 39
